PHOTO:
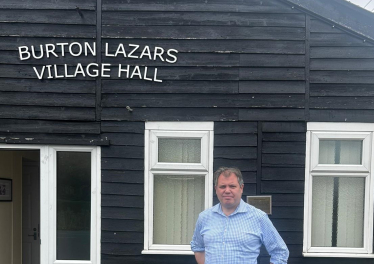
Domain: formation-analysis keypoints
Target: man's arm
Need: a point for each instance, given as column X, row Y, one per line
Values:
column 200, row 257
column 273, row 242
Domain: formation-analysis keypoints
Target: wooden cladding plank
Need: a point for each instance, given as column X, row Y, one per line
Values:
column 336, row 102
column 272, row 74
column 81, row 17
column 47, row 99
column 50, row 127
column 135, row 152
column 317, row 25
column 8, row 43
column 121, row 237
column 174, row 87
column 122, row 249
column 294, row 225
column 202, row 100
column 283, row 174
column 283, row 127
column 286, row 212
column 237, row 140
column 149, row 259
column 272, row 87
column 28, row 72
column 216, row 45
column 125, row 139
column 199, row 19
column 122, row 176
column 47, row 86
column 122, row 225
column 342, row 77
column 342, row 64
column 47, row 113
column 341, row 89
column 205, row 32
column 249, row 177
column 129, row 127
column 122, row 213
column 292, row 237
column 342, row 52
column 12, row 57
column 235, row 152
column 47, row 30
column 272, row 60
column 121, row 188
column 283, row 147
column 282, row 187
column 253, row 6
column 293, row 137
column 341, row 115
column 182, row 73
column 53, row 139
column 122, row 164
column 170, row 114
column 288, row 199
column 47, row 4
column 243, row 164
column 284, row 160
column 183, row 59
column 122, row 201
column 335, row 40
column 235, row 128
column 271, row 114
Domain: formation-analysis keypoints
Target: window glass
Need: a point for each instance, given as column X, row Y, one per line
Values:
column 338, row 211
column 73, row 205
column 179, row 150
column 178, row 200
column 340, row 151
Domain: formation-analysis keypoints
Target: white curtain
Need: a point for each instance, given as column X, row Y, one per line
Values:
column 178, row 200
column 340, row 151
column 349, row 213
column 177, row 150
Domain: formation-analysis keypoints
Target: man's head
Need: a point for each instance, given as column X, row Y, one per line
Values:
column 229, row 187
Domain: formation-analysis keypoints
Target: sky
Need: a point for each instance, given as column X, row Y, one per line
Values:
column 367, row 4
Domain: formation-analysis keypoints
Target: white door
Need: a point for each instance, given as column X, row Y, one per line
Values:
column 30, row 212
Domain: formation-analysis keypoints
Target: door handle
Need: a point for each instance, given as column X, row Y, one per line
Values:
column 34, row 235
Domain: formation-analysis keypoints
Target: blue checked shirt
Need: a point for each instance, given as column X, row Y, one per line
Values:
column 237, row 238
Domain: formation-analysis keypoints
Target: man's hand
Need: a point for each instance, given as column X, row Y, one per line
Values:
column 200, row 257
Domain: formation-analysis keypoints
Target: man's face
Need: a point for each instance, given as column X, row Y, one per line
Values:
column 228, row 191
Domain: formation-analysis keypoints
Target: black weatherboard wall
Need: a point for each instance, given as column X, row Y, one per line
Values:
column 259, row 69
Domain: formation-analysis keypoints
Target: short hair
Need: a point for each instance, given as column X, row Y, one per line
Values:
column 226, row 173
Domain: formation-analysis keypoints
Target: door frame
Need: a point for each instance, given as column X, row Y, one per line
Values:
column 48, row 201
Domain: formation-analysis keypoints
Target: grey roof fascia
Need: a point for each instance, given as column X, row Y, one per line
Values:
column 340, row 12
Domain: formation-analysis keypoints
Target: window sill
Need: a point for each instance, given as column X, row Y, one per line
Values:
column 338, row 255
column 168, row 252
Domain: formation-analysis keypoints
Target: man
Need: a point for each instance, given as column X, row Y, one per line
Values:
column 233, row 231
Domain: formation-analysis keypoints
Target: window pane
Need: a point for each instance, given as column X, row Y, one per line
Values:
column 340, row 151
column 178, row 150
column 178, row 200
column 338, row 212
column 73, row 205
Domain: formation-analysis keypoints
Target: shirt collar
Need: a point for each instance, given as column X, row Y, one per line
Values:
column 242, row 208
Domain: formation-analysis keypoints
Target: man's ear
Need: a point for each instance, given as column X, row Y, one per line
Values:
column 242, row 187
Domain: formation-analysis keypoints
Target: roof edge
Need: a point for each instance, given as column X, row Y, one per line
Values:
column 340, row 12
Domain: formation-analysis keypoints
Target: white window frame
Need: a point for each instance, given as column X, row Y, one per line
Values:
column 48, row 201
column 348, row 131
column 153, row 131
